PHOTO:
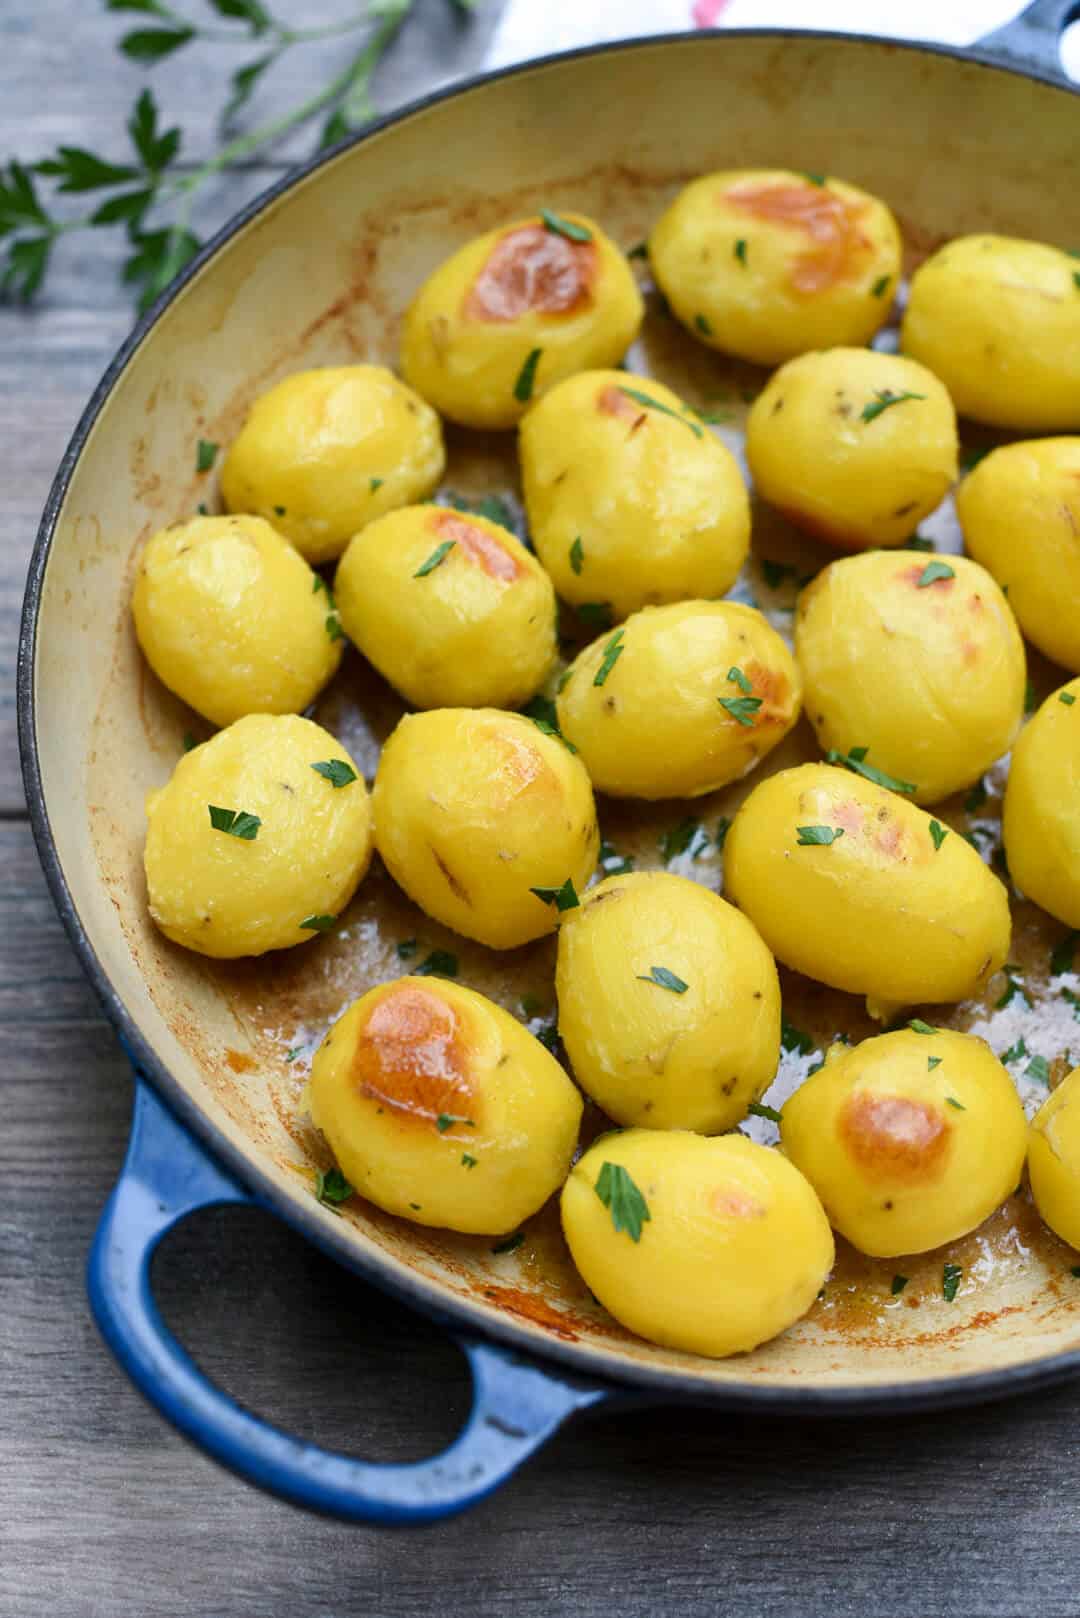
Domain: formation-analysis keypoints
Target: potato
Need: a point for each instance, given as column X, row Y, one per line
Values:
column 515, row 310
column 669, row 1003
column 1020, row 513
column 258, row 839
column 474, row 811
column 1041, row 817
column 441, row 1108
column 910, row 1140
column 630, row 502
column 1053, row 1158
column 227, row 617
column 680, row 700
column 449, row 607
column 998, row 320
column 917, row 658
column 326, row 451
column 711, row 1246
column 848, row 883
column 853, row 446
column 768, row 263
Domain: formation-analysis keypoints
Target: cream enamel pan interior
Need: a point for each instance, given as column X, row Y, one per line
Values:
column 320, row 272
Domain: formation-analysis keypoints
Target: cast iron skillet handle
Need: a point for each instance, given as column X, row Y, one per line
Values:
column 1032, row 40
column 166, row 1175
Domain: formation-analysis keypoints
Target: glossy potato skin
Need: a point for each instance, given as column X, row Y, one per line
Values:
column 473, row 808
column 998, row 320
column 1054, row 1159
column 476, row 319
column 819, row 267
column 905, row 1157
column 655, row 727
column 655, row 503
column 852, row 483
column 1040, row 820
column 476, row 631
column 223, row 896
column 227, row 618
column 946, row 656
column 325, row 451
column 735, row 1250
column 1020, row 513
column 420, row 1049
column 646, row 1054
column 879, row 912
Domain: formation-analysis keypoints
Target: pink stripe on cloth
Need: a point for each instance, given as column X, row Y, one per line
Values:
column 706, row 13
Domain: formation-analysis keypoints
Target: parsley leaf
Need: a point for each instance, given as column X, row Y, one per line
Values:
column 612, row 863
column 774, row 573
column 855, row 760
column 760, row 1110
column 331, row 1188
column 950, row 1281
column 440, row 963
column 723, row 826
column 467, row 1161
column 933, row 572
column 616, row 1189
column 665, row 410
column 737, row 677
column 509, row 1244
column 1039, row 1070
column 938, row 832
column 336, row 771
column 564, row 898
column 899, row 1282
column 438, row 555
column 236, row 822
column 523, row 387
column 810, row 836
column 318, row 924
column 612, row 653
column 740, row 250
column 951, row 1101
column 688, row 837
column 1012, row 989
column 741, row 709
column 447, row 1120
column 1064, row 954
column 917, row 1026
column 596, row 614
column 932, row 1062
column 793, row 1039
column 406, row 949
column 703, row 325
column 976, row 798
column 880, row 286
column 883, row 398
column 205, row 455
column 663, row 979
column 564, row 227
column 577, row 555
column 1015, row 1053
column 1067, row 698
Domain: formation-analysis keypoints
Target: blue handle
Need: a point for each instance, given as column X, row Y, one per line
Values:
column 1033, row 39
column 516, row 1405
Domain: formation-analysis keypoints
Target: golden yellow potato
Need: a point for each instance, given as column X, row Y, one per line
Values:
column 258, row 839
column 515, row 310
column 998, row 320
column 475, row 810
column 768, row 263
column 1053, row 1158
column 850, row 884
column 680, row 700
column 326, row 451
column 228, row 618
column 631, row 499
column 449, row 607
column 441, row 1108
column 1041, row 817
column 669, row 1003
column 853, row 446
column 910, row 1140
column 711, row 1246
column 917, row 658
column 1020, row 513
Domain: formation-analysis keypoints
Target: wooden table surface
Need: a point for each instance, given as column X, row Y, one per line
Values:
column 103, row 1510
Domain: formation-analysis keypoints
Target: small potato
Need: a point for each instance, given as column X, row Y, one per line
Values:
column 768, row 263
column 680, row 700
column 998, row 320
column 441, row 1108
column 1054, row 1159
column 710, row 1246
column 910, row 1140
column 853, row 446
column 918, row 659
column 1041, row 817
column 326, row 451
column 669, row 1003
column 846, row 883
column 1020, row 513
column 512, row 312
column 474, row 810
column 449, row 607
column 226, row 614
column 631, row 502
column 232, row 889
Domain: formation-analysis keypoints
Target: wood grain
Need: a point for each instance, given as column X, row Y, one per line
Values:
column 104, row 1513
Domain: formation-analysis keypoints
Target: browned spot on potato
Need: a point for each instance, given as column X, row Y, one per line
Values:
column 731, row 1203
column 893, row 1138
column 969, row 652
column 848, row 815
column 479, row 546
column 456, row 886
column 773, row 688
column 411, row 1057
column 612, row 401
column 532, row 269
column 839, row 245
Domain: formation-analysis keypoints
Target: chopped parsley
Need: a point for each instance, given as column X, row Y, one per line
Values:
column 236, row 822
column 491, row 506
column 932, row 1062
column 703, row 325
column 918, row 542
column 793, row 1039
column 663, row 979
column 319, row 583
column 740, row 250
column 577, row 555
column 523, row 387
column 596, row 614
column 1075, row 1270
column 202, row 509
column 880, row 286
column 741, row 709
column 1061, row 960
column 439, row 964
column 332, row 625
column 639, row 250
column 375, row 483
column 336, row 771
column 612, row 863
column 1015, row 1053
column 950, row 1281
column 883, row 398
column 564, row 227
column 737, row 677
column 917, row 1026
column 447, row 1120
column 318, row 924
column 813, row 836
column 467, row 1162
column 899, row 1282
column 774, row 573
column 815, row 179
column 1067, row 698
column 760, row 1110
column 189, row 741
column 1030, row 699
column 938, row 832
column 688, row 837
column 290, row 1056
column 331, row 1188
column 279, row 511
column 438, row 555
column 1074, row 1001
column 1039, row 1070
column 406, row 949
column 510, row 1244
column 564, row 898
column 616, row 1189
column 205, row 455
column 855, row 759
column 612, row 653
column 951, row 1101
column 723, row 826
column 1011, row 990
column 933, row 571
column 976, row 798
column 665, row 410
column 971, row 457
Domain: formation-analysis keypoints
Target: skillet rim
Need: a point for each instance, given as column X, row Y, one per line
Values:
column 461, row 1314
